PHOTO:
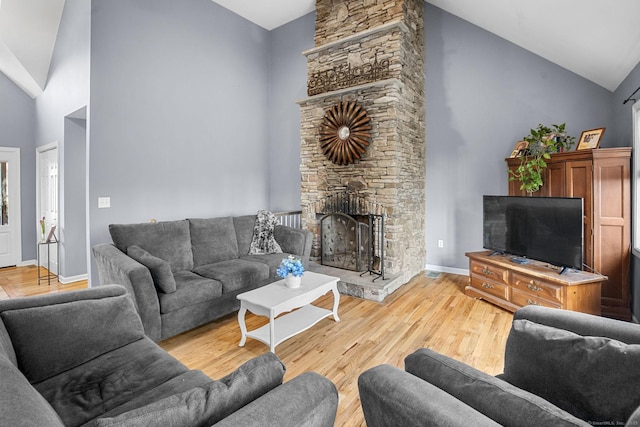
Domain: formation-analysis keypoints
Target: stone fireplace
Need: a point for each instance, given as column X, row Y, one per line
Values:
column 370, row 52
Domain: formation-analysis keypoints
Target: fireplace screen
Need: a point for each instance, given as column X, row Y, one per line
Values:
column 351, row 236
column 345, row 240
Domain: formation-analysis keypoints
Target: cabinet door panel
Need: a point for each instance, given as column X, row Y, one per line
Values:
column 578, row 176
column 554, row 182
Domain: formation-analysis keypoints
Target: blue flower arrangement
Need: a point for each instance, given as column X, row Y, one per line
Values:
column 291, row 265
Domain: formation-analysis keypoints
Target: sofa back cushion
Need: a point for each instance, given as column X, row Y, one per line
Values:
column 52, row 338
column 213, row 240
column 244, row 226
column 594, row 378
column 168, row 240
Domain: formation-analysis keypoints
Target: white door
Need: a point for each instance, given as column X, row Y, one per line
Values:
column 10, row 229
column 48, row 197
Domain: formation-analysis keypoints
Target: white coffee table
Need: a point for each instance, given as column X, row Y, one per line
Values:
column 275, row 298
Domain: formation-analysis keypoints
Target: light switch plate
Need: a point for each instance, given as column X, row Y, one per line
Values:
column 104, row 202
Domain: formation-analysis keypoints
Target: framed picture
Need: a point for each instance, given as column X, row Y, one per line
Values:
column 519, row 149
column 590, row 139
column 51, row 235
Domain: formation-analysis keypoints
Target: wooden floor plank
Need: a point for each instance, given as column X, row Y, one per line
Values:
column 427, row 312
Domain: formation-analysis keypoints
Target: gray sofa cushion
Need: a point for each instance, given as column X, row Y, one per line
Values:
column 168, row 240
column 244, row 232
column 160, row 269
column 292, row 240
column 208, row 404
column 495, row 398
column 579, row 374
column 235, row 274
column 21, row 404
column 83, row 393
column 45, row 346
column 272, row 260
column 213, row 240
column 175, row 385
column 190, row 289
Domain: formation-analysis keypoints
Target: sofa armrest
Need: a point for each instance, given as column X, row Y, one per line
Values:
column 115, row 267
column 392, row 397
column 294, row 241
column 494, row 397
column 307, row 400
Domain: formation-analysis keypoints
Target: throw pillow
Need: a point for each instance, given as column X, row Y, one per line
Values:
column 263, row 241
column 160, row 269
column 491, row 396
column 590, row 377
column 208, row 404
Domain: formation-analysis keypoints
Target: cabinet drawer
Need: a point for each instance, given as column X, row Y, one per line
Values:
column 489, row 271
column 491, row 287
column 526, row 298
column 536, row 287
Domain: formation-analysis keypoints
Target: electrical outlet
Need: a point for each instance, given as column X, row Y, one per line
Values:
column 441, row 243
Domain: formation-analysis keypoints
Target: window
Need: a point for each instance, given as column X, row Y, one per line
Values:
column 636, row 179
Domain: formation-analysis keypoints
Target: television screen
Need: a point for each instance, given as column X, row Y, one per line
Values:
column 548, row 229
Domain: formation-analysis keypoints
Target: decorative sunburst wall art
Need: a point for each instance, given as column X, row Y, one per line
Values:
column 344, row 135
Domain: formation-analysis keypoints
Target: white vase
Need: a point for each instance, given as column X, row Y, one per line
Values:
column 292, row 281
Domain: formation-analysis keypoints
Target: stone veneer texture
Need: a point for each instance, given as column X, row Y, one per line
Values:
column 391, row 173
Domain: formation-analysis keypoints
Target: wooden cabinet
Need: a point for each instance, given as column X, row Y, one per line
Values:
column 497, row 279
column 602, row 178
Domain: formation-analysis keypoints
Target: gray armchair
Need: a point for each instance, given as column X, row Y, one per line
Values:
column 562, row 368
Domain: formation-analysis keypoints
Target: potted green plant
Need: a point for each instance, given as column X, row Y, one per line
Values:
column 542, row 141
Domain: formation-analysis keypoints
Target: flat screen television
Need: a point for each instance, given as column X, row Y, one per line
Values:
column 548, row 229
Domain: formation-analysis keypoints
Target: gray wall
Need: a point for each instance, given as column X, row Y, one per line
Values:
column 178, row 123
column 483, row 94
column 17, row 124
column 66, row 92
column 288, row 83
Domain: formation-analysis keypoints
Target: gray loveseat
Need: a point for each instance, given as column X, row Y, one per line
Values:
column 189, row 272
column 562, row 368
column 81, row 358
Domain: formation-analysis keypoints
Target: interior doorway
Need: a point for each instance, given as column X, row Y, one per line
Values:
column 47, row 190
column 10, row 223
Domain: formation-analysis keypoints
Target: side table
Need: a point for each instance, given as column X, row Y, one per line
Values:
column 49, row 274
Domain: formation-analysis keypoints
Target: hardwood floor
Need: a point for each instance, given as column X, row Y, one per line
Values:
column 432, row 313
column 427, row 312
column 23, row 281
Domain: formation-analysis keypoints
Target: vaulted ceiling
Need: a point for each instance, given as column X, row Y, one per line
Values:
column 596, row 39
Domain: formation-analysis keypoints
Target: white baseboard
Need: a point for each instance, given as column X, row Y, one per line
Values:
column 71, row 279
column 442, row 269
column 62, row 279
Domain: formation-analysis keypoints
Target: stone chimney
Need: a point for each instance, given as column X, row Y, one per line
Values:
column 370, row 52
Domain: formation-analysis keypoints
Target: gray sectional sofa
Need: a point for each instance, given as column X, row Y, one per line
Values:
column 182, row 274
column 562, row 368
column 81, row 358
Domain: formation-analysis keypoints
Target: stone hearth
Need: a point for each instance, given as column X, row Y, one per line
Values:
column 370, row 52
column 362, row 286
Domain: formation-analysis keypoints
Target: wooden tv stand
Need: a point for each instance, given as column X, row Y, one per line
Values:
column 510, row 285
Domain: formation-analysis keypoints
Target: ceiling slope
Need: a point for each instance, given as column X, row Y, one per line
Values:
column 596, row 39
column 28, row 30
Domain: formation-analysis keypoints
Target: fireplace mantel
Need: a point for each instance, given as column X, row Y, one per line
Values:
column 381, row 84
